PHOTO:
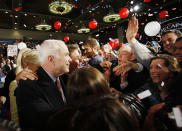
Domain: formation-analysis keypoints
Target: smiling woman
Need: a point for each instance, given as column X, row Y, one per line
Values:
column 163, row 70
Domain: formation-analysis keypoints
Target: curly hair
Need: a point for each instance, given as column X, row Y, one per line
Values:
column 170, row 61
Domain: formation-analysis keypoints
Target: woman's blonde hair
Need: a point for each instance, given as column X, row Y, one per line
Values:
column 26, row 56
column 21, row 54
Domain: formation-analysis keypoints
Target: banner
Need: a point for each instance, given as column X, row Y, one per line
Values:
column 174, row 23
column 12, row 50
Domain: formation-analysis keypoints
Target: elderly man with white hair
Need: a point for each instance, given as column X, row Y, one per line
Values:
column 126, row 74
column 37, row 99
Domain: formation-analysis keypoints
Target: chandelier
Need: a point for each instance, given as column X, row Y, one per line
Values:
column 60, row 7
column 43, row 26
column 111, row 18
column 83, row 30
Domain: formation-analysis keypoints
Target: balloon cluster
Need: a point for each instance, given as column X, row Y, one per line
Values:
column 114, row 43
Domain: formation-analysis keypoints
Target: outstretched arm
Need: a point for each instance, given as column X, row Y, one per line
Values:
column 141, row 52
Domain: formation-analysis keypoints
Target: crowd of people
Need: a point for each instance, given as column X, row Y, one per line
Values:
column 62, row 87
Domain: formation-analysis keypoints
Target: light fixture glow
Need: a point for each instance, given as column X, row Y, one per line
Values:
column 136, row 7
column 83, row 30
column 111, row 18
column 43, row 26
column 131, row 10
column 60, row 7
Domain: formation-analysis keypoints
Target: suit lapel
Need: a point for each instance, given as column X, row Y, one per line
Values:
column 49, row 88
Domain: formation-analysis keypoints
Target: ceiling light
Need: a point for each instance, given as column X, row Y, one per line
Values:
column 43, row 26
column 97, row 35
column 131, row 10
column 111, row 18
column 136, row 7
column 60, row 7
column 83, row 30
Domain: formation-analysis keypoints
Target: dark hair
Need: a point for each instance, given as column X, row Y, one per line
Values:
column 104, row 113
column 72, row 47
column 85, row 82
column 179, row 39
column 92, row 43
column 176, row 32
column 170, row 61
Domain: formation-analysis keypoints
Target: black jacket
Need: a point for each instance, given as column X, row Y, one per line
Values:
column 37, row 100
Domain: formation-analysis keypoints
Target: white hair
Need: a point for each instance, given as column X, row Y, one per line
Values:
column 125, row 48
column 47, row 48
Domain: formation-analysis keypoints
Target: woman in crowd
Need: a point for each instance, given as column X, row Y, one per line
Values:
column 85, row 82
column 103, row 113
column 27, row 59
column 91, row 106
column 163, row 70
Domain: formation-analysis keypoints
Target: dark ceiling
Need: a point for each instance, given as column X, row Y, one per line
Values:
column 34, row 12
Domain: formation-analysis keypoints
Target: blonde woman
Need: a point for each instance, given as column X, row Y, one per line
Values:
column 27, row 59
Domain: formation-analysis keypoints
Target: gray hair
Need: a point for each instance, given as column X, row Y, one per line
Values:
column 176, row 32
column 49, row 47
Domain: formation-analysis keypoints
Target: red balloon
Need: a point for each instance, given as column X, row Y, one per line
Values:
column 114, row 43
column 163, row 14
column 18, row 8
column 111, row 43
column 137, row 36
column 66, row 38
column 121, row 44
column 57, row 25
column 124, row 12
column 93, row 24
column 147, row 1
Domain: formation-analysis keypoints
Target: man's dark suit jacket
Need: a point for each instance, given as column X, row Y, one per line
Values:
column 135, row 79
column 36, row 100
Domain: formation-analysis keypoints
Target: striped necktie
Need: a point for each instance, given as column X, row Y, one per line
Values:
column 60, row 89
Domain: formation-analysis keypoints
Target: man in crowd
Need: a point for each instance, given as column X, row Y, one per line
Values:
column 178, row 50
column 91, row 48
column 126, row 73
column 142, row 53
column 37, row 99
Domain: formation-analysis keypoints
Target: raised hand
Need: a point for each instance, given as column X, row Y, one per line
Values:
column 132, row 28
